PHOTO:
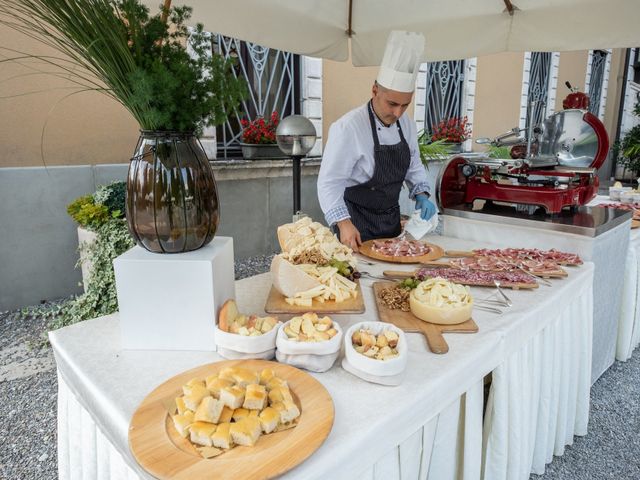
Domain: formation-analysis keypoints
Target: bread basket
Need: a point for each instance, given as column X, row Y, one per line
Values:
column 233, row 346
column 312, row 356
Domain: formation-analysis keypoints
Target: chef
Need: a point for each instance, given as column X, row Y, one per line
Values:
column 373, row 149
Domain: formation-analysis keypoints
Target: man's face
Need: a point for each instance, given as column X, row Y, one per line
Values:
column 389, row 105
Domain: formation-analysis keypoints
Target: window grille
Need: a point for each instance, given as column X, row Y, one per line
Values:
column 598, row 64
column 538, row 85
column 273, row 81
column 635, row 63
column 444, row 92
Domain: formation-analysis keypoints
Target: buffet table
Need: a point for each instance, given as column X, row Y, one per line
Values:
column 430, row 426
column 597, row 235
column 629, row 320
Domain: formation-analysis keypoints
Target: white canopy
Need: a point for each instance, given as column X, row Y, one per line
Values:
column 453, row 29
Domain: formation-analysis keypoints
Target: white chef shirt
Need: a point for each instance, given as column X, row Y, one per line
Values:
column 348, row 159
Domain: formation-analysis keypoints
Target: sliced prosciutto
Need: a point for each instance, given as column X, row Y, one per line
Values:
column 475, row 277
column 542, row 256
column 505, row 264
column 395, row 247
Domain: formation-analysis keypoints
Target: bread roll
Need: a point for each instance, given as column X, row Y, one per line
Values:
column 255, row 397
column 269, row 418
column 232, row 397
column 182, row 422
column 201, row 433
column 246, row 432
column 222, row 436
column 193, row 399
column 209, row 410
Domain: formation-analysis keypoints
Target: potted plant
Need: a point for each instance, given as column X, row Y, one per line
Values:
column 259, row 138
column 141, row 61
column 91, row 213
column 430, row 151
column 630, row 147
column 452, row 131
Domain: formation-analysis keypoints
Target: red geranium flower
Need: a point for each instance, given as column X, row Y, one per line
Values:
column 260, row 130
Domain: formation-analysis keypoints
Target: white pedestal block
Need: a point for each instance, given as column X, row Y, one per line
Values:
column 171, row 301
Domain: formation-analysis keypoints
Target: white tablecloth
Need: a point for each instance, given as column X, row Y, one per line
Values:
column 603, row 250
column 629, row 320
column 430, row 425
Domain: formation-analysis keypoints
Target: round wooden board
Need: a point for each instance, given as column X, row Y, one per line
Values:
column 159, row 449
column 436, row 252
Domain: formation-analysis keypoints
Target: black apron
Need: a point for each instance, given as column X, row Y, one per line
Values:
column 373, row 205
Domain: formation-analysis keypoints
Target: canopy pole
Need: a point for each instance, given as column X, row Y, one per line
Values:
column 165, row 10
column 349, row 31
column 510, row 7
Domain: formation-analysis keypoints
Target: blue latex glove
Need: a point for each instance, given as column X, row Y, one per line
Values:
column 427, row 209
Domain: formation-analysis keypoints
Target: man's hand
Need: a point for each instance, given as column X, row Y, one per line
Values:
column 427, row 209
column 349, row 234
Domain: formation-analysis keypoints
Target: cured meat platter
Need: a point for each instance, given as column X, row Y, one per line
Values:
column 474, row 278
column 399, row 250
column 408, row 322
column 533, row 254
column 491, row 264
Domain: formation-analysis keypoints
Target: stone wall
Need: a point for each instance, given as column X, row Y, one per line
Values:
column 38, row 240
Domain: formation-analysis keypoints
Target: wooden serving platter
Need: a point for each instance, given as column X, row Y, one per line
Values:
column 560, row 273
column 463, row 253
column 367, row 250
column 512, row 285
column 408, row 322
column 276, row 304
column 163, row 453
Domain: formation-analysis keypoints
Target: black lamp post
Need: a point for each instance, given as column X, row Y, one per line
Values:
column 296, row 136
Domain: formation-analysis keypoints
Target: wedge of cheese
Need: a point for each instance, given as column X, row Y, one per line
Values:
column 289, row 279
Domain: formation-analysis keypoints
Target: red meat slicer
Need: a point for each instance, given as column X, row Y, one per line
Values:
column 555, row 169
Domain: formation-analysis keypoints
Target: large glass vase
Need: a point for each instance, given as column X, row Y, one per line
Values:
column 172, row 199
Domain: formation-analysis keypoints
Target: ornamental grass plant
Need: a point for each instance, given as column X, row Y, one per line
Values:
column 118, row 48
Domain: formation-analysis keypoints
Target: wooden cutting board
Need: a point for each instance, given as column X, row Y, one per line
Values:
column 512, row 285
column 159, row 449
column 560, row 273
column 410, row 323
column 367, row 249
column 277, row 304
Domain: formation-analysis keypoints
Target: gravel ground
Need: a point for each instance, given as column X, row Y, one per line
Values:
column 612, row 447
column 28, row 393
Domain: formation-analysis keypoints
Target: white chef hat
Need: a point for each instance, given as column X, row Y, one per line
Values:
column 401, row 61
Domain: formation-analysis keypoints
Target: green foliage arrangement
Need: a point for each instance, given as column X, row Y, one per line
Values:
column 630, row 146
column 92, row 211
column 136, row 58
column 87, row 213
column 499, row 152
column 430, row 150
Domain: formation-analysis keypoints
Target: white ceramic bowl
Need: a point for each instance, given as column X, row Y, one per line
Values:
column 372, row 366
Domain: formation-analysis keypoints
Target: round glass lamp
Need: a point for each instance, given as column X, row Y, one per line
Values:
column 296, row 136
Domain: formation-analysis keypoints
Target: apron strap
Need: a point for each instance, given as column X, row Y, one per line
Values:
column 372, row 122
